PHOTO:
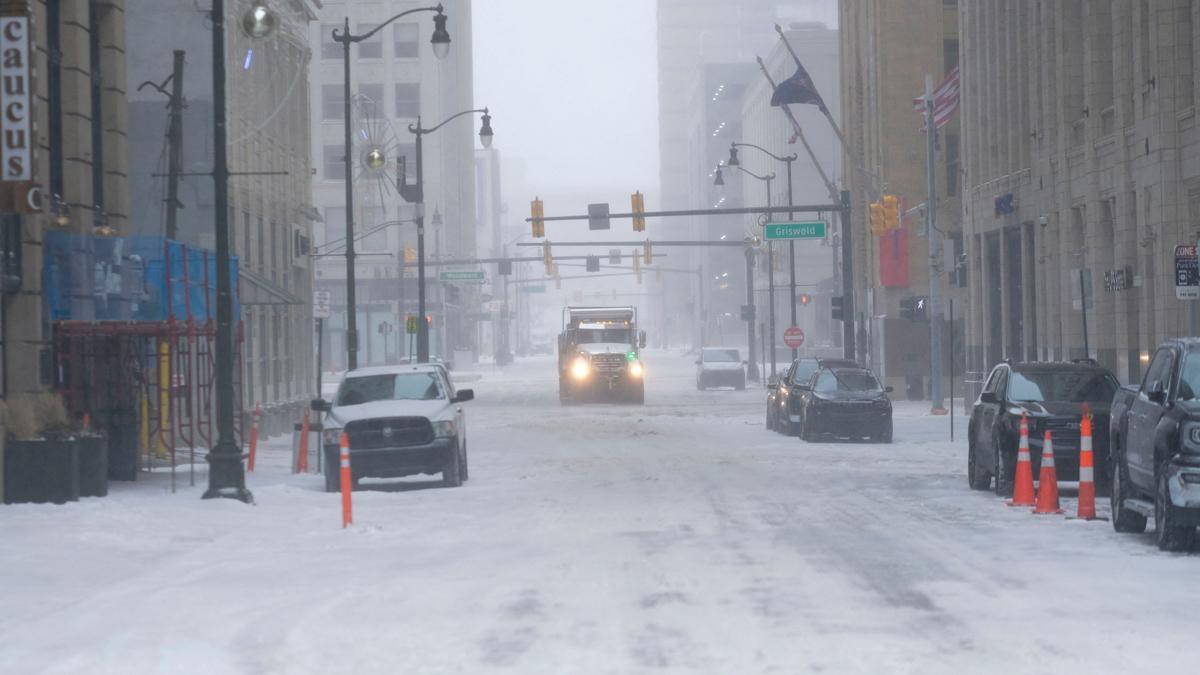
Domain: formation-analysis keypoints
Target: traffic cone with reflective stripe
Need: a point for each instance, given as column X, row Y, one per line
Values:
column 347, row 481
column 1047, row 492
column 1087, row 477
column 1023, row 480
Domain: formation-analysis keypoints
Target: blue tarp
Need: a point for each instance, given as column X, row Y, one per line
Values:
column 93, row 278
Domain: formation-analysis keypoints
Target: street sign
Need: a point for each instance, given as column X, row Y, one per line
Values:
column 533, row 289
column 410, row 324
column 322, row 304
column 614, row 256
column 793, row 337
column 1187, row 273
column 598, row 216
column 462, row 275
column 809, row 230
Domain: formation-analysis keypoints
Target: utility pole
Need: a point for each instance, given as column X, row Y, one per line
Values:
column 175, row 144
column 935, row 248
column 751, row 367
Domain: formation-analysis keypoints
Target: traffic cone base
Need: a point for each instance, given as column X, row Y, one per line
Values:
column 1047, row 489
column 1023, row 478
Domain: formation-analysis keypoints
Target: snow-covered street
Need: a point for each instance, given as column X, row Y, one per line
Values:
column 677, row 537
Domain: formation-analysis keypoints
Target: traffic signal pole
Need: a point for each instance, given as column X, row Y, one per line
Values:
column 937, row 405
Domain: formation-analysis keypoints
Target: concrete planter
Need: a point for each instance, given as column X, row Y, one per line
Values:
column 58, row 470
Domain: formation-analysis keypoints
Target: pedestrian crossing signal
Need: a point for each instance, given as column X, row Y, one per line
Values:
column 639, row 208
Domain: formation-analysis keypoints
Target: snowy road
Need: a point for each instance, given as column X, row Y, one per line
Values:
column 679, row 537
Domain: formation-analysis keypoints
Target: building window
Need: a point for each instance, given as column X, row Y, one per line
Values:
column 333, row 103
column 952, row 164
column 408, row 99
column 329, row 48
column 262, row 244
column 333, row 159
column 371, row 48
column 950, row 54
column 407, row 44
column 335, row 226
column 372, row 101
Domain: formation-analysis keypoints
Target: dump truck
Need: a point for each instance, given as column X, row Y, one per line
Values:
column 599, row 356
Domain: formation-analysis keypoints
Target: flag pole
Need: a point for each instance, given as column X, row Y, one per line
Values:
column 833, row 192
column 836, row 129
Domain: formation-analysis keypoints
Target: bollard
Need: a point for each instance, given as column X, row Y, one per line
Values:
column 253, row 437
column 347, row 481
column 302, row 460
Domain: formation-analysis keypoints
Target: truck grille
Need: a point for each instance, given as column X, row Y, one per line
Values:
column 389, row 432
column 608, row 363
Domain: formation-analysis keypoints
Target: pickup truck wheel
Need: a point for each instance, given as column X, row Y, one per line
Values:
column 1003, row 470
column 452, row 474
column 1170, row 537
column 1123, row 519
column 332, row 477
column 977, row 477
column 805, row 433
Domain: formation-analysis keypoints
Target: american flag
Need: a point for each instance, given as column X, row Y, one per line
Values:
column 945, row 101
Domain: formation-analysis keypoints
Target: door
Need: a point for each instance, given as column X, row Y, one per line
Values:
column 1144, row 415
column 985, row 417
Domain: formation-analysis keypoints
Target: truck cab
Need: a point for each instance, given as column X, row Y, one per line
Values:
column 599, row 355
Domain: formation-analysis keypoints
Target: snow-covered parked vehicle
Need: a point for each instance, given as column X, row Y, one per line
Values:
column 400, row 420
column 720, row 367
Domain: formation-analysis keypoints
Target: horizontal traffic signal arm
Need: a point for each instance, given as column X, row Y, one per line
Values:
column 481, row 261
column 544, row 280
column 802, row 208
column 657, row 242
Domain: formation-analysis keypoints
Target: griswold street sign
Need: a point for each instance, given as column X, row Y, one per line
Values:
column 462, row 275
column 809, row 230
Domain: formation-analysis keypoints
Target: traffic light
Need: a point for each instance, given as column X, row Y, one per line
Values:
column 649, row 253
column 639, row 207
column 504, row 268
column 913, row 307
column 593, row 263
column 547, row 257
column 536, row 214
column 637, row 265
column 835, row 306
column 876, row 218
column 805, row 298
column 410, row 254
column 891, row 212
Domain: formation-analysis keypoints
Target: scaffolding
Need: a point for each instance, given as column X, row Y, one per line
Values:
column 134, row 326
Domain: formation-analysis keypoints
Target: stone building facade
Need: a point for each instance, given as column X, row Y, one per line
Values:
column 887, row 49
column 1081, row 177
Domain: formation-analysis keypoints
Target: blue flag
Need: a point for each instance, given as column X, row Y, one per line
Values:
column 798, row 88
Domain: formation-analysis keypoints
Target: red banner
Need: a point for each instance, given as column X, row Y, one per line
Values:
column 893, row 258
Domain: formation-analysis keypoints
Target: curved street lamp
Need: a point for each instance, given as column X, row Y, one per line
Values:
column 441, row 48
column 416, row 194
column 259, row 20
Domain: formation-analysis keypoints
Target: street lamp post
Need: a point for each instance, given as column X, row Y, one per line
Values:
column 416, row 194
column 733, row 161
column 441, row 47
column 719, row 180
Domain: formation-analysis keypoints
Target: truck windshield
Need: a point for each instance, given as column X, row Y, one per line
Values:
column 392, row 387
column 1071, row 386
column 599, row 335
column 1189, row 379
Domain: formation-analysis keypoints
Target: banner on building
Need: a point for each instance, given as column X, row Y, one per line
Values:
column 16, row 111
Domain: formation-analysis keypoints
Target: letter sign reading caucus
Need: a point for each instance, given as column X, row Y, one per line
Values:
column 16, row 115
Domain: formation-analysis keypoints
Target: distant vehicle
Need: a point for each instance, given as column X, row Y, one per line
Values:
column 1051, row 395
column 1155, row 432
column 598, row 356
column 783, row 397
column 720, row 367
column 844, row 402
column 400, row 420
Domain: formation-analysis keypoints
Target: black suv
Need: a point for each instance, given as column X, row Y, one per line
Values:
column 783, row 395
column 844, row 402
column 1052, row 395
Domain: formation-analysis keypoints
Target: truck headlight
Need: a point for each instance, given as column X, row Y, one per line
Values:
column 445, row 429
column 636, row 369
column 580, row 368
column 331, row 436
column 1190, row 436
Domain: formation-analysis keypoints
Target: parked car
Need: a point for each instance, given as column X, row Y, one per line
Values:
column 720, row 367
column 783, row 396
column 1155, row 436
column 401, row 420
column 844, row 402
column 1051, row 395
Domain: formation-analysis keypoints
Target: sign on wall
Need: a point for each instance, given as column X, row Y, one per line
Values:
column 16, row 113
column 1187, row 273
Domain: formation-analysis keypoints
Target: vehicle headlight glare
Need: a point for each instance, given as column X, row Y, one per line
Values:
column 580, row 368
column 445, row 429
column 636, row 369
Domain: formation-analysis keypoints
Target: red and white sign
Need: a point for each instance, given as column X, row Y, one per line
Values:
column 794, row 337
column 16, row 113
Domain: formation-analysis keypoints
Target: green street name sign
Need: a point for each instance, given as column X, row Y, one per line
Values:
column 451, row 275
column 812, row 230
column 533, row 289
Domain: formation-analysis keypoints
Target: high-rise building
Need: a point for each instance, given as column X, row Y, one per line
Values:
column 888, row 47
column 1080, row 183
column 395, row 79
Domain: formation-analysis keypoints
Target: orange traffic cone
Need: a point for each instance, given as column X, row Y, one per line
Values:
column 1087, row 478
column 87, row 421
column 347, row 481
column 1047, row 493
column 1023, row 481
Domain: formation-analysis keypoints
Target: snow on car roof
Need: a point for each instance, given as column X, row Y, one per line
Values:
column 395, row 369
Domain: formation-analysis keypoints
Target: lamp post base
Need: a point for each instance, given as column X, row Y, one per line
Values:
column 226, row 478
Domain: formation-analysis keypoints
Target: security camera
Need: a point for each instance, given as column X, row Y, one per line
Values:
column 1043, row 220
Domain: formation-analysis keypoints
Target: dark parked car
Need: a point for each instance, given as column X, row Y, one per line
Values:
column 1155, row 434
column 783, row 396
column 1052, row 395
column 720, row 367
column 844, row 402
